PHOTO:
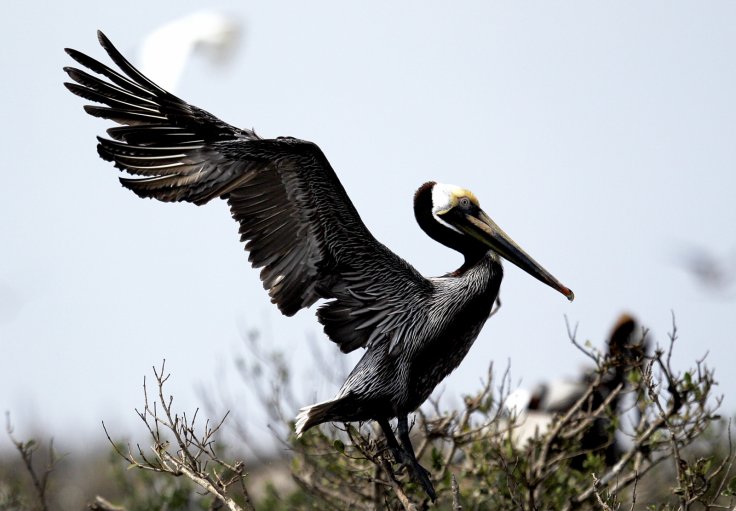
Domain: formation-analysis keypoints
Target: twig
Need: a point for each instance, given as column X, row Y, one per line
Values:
column 572, row 336
column 195, row 456
column 456, row 504
column 26, row 450
column 100, row 504
column 396, row 485
column 599, row 498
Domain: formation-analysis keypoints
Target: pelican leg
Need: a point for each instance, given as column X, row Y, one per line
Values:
column 396, row 450
column 405, row 455
column 420, row 472
column 398, row 453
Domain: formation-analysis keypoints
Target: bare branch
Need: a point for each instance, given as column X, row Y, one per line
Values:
column 26, row 451
column 192, row 453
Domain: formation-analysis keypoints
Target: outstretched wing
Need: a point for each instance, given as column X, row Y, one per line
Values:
column 295, row 218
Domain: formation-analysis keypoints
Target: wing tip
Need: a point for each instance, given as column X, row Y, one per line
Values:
column 103, row 39
column 104, row 153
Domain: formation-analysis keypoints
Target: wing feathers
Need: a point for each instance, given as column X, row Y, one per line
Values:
column 99, row 68
column 152, row 136
column 101, row 92
column 122, row 116
column 295, row 218
column 128, row 68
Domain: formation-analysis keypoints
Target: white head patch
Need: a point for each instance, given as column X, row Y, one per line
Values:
column 444, row 198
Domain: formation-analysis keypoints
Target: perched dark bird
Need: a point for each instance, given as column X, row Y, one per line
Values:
column 626, row 349
column 303, row 231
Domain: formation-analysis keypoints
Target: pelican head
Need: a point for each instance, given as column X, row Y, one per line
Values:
column 452, row 215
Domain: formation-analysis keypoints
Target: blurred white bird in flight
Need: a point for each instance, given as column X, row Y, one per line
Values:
column 165, row 51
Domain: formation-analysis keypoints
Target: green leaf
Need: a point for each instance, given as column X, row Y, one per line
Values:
column 702, row 465
column 436, row 459
column 731, row 489
column 339, row 446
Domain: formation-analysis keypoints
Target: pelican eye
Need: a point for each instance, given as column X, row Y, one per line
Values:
column 464, row 203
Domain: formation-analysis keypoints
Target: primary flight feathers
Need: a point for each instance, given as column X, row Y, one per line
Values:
column 296, row 220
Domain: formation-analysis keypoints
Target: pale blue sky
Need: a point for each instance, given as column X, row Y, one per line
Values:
column 601, row 136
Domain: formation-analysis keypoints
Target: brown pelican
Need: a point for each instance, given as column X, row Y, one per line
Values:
column 302, row 230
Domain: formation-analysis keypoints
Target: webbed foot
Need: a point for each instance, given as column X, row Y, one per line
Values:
column 418, row 472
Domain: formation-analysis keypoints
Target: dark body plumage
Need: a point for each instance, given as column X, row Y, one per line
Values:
column 300, row 227
column 444, row 325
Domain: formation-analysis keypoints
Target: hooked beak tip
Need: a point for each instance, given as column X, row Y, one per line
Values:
column 568, row 293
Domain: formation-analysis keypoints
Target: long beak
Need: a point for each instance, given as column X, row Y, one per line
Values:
column 485, row 230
